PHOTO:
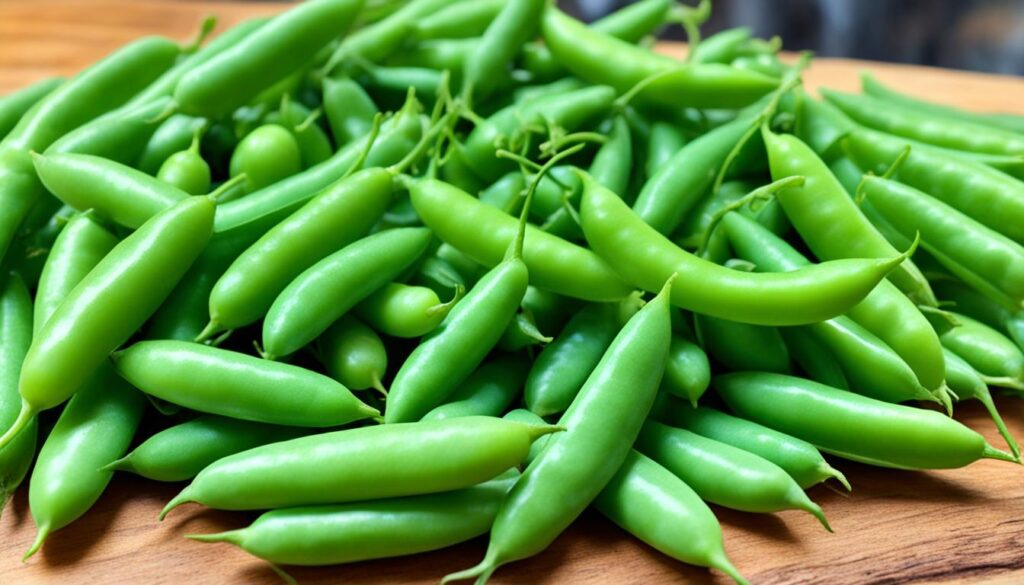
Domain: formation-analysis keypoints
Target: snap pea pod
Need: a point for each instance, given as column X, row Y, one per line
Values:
column 15, row 337
column 458, row 20
column 555, row 264
column 349, row 109
column 378, row 40
column 821, row 126
column 397, row 81
column 360, row 531
column 988, row 351
column 79, row 247
column 314, row 146
column 664, row 141
column 185, row 313
column 268, row 54
column 981, row 308
column 180, row 452
column 800, row 459
column 721, row 47
column 723, row 474
column 652, row 504
column 15, row 104
column 487, row 68
column 106, row 308
column 95, row 427
column 643, row 256
column 265, row 156
column 687, row 371
column 698, row 222
column 817, row 362
column 968, row 384
column 401, row 310
column 186, row 169
column 172, row 135
column 741, row 346
column 353, row 354
column 328, row 289
column 952, row 237
column 852, row 426
column 382, row 461
column 486, row 392
column 600, row 426
column 236, row 385
column 120, row 136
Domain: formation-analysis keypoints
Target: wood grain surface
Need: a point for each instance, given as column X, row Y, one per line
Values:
column 962, row 525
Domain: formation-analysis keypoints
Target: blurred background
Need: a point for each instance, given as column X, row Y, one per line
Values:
column 979, row 35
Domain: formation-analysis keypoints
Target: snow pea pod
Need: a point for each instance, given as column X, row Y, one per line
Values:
column 800, row 459
column 268, row 54
column 15, row 104
column 79, row 247
column 402, row 310
column 665, row 139
column 486, row 392
column 15, row 337
column 643, row 256
column 852, row 426
column 970, row 302
column 573, row 470
column 95, row 427
column 382, row 461
column 328, row 289
column 723, row 474
column 180, row 452
column 968, row 384
column 374, row 529
column 349, row 109
column 458, row 20
column 721, row 47
column 172, row 135
column 741, row 346
column 378, row 40
column 988, row 351
column 487, row 68
column 687, row 371
column 353, row 354
column 218, row 381
column 555, row 264
column 120, row 135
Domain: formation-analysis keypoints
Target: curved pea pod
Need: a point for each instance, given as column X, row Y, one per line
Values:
column 487, row 68
column 555, row 264
column 236, row 385
column 852, row 426
column 687, row 371
column 458, row 20
column 723, row 474
column 600, row 426
column 328, row 289
column 79, row 247
column 180, row 452
column 968, row 384
column 973, row 304
column 953, row 238
column 486, row 392
column 172, row 135
column 652, row 504
column 367, row 463
column 988, row 351
column 822, row 127
column 663, row 141
column 120, row 135
column 374, row 529
column 402, row 310
column 110, row 304
column 337, row 216
column 376, row 41
column 644, row 257
column 800, row 459
column 601, row 58
column 270, row 53
column 721, row 47
column 353, row 354
column 817, row 362
column 741, row 346
column 15, row 104
column 120, row 193
column 349, row 109
column 95, row 427
column 15, row 337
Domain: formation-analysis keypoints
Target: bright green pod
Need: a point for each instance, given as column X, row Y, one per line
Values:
column 185, row 313
column 236, row 385
column 15, row 104
column 15, row 337
column 180, row 452
column 979, row 307
column 521, row 333
column 367, row 463
column 458, row 21
column 743, row 347
column 487, row 69
column 349, row 109
column 968, row 384
column 687, row 371
column 550, row 311
column 817, row 362
column 314, row 146
column 353, row 354
column 172, row 135
column 266, row 155
column 402, row 310
column 187, row 170
column 328, row 289
column 987, row 350
column 486, row 392
column 119, row 136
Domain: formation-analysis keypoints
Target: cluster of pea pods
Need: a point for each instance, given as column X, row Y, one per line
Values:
column 565, row 240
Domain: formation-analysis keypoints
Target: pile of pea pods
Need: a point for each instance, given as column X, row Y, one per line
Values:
column 402, row 274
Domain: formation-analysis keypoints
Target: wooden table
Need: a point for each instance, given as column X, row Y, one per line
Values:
column 896, row 527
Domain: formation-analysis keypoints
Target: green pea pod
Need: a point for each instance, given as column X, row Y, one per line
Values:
column 460, row 20
column 265, row 156
column 349, row 109
column 15, row 337
column 375, row 462
column 687, row 371
column 180, row 452
column 185, row 313
column 697, row 224
column 721, row 47
column 187, row 170
column 486, row 392
column 555, row 264
column 852, row 426
column 15, row 104
column 115, row 191
column 817, row 362
column 664, row 141
column 601, row 424
column 172, row 135
column 723, row 474
column 79, row 247
column 643, row 256
column 652, row 504
column 968, row 384
column 354, row 354
column 96, row 426
column 374, row 529
column 120, row 136
column 339, row 215
column 800, row 459
column 401, row 310
column 439, row 54
column 487, row 68
column 989, row 196
column 397, row 81
column 741, row 346
column 988, row 351
column 952, row 237
column 314, row 146
column 376, row 41
column 270, row 53
column 981, row 308
column 110, row 304
column 821, row 126
column 457, row 170
column 236, row 385
column 601, row 58
column 613, row 162
column 328, row 289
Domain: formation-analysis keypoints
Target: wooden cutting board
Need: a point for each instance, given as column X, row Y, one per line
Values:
column 896, row 527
